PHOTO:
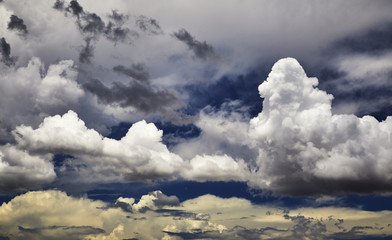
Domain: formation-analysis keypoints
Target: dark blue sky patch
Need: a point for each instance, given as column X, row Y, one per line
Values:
column 172, row 133
column 119, row 131
column 228, row 88
column 367, row 202
column 368, row 94
column 186, row 190
column 58, row 159
column 373, row 41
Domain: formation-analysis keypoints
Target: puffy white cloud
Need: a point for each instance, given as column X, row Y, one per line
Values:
column 139, row 155
column 151, row 201
column 304, row 149
column 216, row 168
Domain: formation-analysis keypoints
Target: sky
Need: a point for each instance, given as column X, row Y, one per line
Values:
column 226, row 119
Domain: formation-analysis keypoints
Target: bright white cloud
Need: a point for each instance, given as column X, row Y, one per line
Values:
column 139, row 155
column 303, row 148
column 152, row 201
column 216, row 168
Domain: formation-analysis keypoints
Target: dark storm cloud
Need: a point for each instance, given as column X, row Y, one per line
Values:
column 180, row 214
column 354, row 233
column 17, row 24
column 294, row 183
column 307, row 228
column 118, row 17
column 201, row 50
column 148, row 25
column 116, row 33
column 92, row 27
column 59, row 5
column 75, row 8
column 69, row 230
column 303, row 228
column 137, row 71
column 87, row 52
column 92, row 24
column 237, row 232
column 140, row 95
column 5, row 51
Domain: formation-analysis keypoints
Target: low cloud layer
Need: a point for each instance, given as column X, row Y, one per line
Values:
column 35, row 215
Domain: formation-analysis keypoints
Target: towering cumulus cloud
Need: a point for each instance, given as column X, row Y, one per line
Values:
column 304, row 149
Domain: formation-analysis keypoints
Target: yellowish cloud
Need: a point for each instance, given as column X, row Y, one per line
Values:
column 53, row 214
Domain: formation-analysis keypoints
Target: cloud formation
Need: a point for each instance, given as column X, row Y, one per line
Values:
column 35, row 215
column 201, row 50
column 30, row 93
column 138, row 156
column 137, row 94
column 5, row 52
column 305, row 149
column 17, row 24
column 295, row 146
column 20, row 171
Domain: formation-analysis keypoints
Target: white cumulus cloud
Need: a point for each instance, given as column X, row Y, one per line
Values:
column 304, row 148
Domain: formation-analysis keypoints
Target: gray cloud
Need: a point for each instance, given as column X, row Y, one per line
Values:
column 87, row 52
column 140, row 95
column 201, row 50
column 5, row 51
column 92, row 24
column 116, row 33
column 303, row 228
column 164, row 200
column 137, row 71
column 354, row 233
column 92, row 27
column 118, row 17
column 182, row 214
column 75, row 8
column 66, row 232
column 148, row 25
column 17, row 24
column 59, row 5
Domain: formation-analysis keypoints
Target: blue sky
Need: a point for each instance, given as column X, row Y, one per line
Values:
column 195, row 119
